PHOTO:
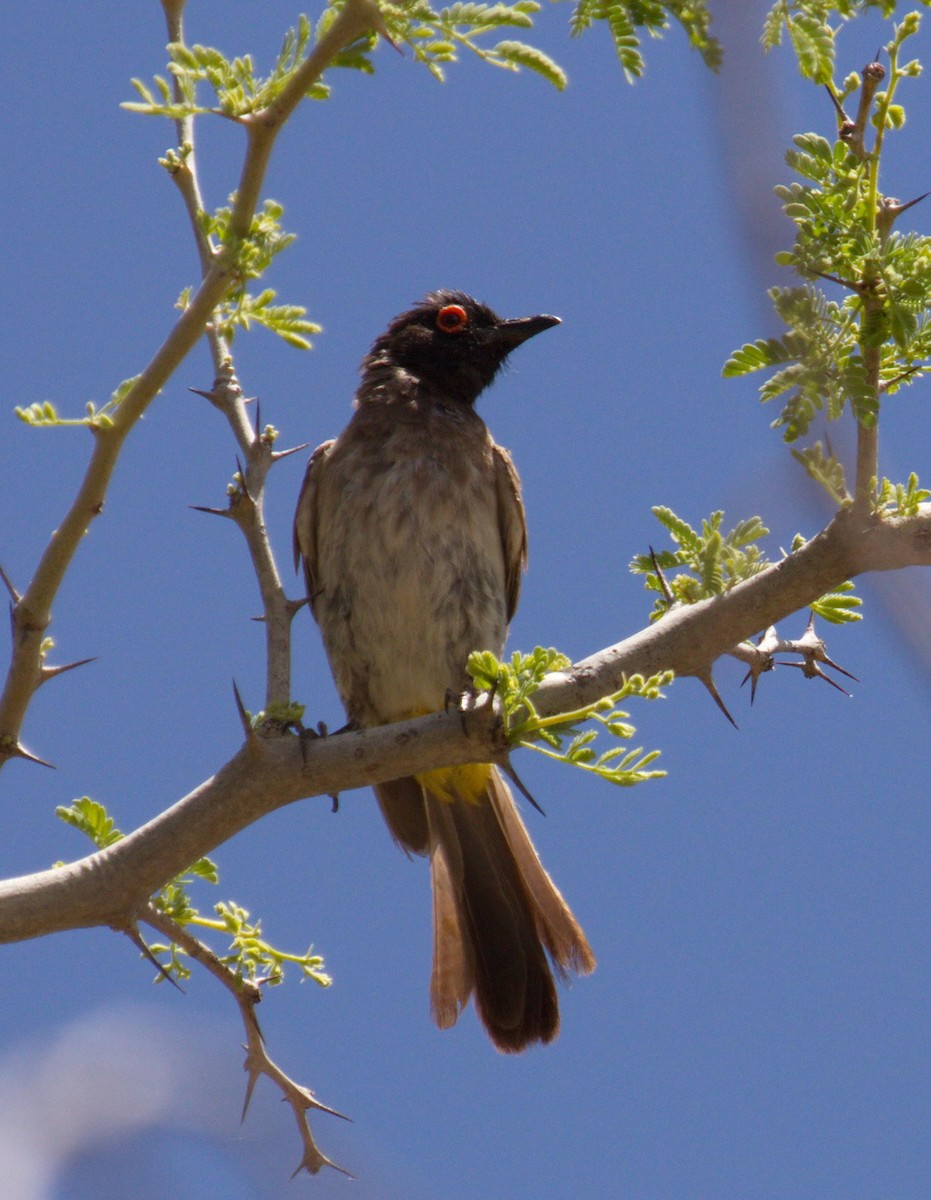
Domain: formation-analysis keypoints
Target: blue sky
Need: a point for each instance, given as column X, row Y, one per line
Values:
column 758, row 1023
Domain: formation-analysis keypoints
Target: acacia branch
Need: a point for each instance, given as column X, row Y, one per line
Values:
column 246, row 509
column 112, row 887
column 247, row 994
column 32, row 613
column 690, row 638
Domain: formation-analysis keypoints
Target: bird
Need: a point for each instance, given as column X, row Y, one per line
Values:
column 411, row 529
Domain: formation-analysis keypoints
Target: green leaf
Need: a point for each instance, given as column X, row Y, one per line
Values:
column 92, row 819
column 901, row 500
column 839, row 607
column 824, row 469
column 681, row 531
column 813, row 41
column 774, row 24
column 625, row 18
column 754, row 356
column 559, row 737
column 518, row 54
column 713, row 561
column 206, row 869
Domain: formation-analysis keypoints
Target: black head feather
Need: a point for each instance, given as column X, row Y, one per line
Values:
column 448, row 345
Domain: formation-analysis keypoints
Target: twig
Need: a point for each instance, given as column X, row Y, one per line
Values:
column 247, row 994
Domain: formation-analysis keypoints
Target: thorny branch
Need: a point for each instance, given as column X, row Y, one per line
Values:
column 112, row 886
column 247, row 994
column 32, row 612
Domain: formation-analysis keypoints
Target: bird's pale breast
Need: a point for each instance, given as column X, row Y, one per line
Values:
column 411, row 504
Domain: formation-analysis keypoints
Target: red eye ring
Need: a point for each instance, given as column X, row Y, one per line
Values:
column 452, row 318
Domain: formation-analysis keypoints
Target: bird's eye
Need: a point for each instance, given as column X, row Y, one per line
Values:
column 452, row 318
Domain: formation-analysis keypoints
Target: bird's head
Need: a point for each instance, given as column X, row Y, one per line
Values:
column 448, row 343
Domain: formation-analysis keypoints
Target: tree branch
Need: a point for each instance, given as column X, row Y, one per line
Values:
column 690, row 638
column 112, row 887
column 31, row 615
column 247, row 994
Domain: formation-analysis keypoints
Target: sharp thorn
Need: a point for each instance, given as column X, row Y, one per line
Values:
column 250, row 1088
column 214, row 512
column 901, row 208
column 51, row 672
column 19, row 751
column 334, row 1112
column 14, row 594
column 852, row 284
column 279, row 454
column 378, row 24
column 243, row 715
column 667, row 593
column 830, row 663
column 244, row 485
column 142, row 946
column 837, row 104
column 754, row 677
column 508, row 770
column 833, row 683
column 713, row 693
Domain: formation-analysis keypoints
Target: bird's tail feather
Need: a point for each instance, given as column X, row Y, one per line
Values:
column 495, row 908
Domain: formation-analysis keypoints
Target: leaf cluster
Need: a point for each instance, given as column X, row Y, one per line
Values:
column 877, row 337
column 91, row 818
column 44, row 414
column 254, row 254
column 900, row 499
column 707, row 561
column 626, row 18
column 819, row 359
column 561, row 737
column 715, row 562
column 823, row 468
column 249, row 956
column 807, row 23
column 436, row 37
column 238, row 90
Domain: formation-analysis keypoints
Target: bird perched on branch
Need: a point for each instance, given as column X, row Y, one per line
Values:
column 411, row 530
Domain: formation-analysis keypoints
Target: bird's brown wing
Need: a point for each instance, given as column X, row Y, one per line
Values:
column 401, row 800
column 512, row 525
column 305, row 519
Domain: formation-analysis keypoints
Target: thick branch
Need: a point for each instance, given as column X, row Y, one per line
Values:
column 689, row 639
column 112, row 886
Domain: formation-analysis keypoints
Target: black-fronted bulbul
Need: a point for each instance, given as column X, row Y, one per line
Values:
column 411, row 529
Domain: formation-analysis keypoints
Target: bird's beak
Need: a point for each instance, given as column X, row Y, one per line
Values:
column 511, row 333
